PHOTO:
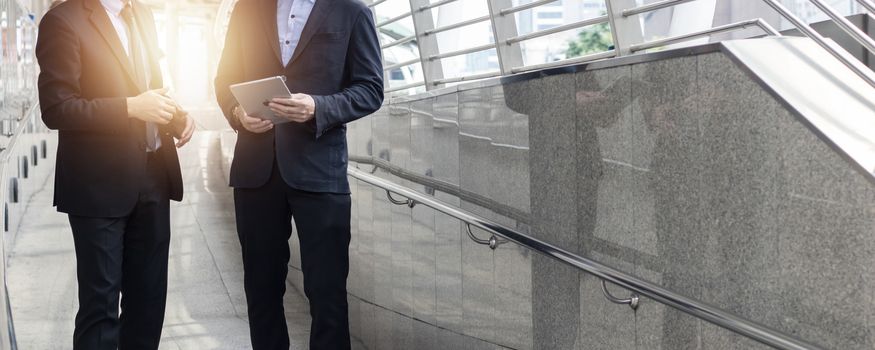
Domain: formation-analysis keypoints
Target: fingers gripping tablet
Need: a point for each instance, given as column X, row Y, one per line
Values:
column 254, row 97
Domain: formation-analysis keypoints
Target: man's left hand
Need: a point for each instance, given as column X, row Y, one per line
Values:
column 301, row 108
column 182, row 126
column 186, row 133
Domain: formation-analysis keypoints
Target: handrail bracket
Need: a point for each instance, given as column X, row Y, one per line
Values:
column 407, row 201
column 632, row 301
column 493, row 241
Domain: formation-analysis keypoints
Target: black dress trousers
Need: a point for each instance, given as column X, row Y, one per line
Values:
column 126, row 255
column 264, row 226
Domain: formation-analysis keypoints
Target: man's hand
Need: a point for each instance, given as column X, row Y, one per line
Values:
column 301, row 108
column 252, row 124
column 185, row 135
column 152, row 106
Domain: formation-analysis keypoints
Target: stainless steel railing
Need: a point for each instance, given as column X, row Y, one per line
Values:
column 839, row 53
column 25, row 147
column 621, row 17
column 624, row 44
column 501, row 234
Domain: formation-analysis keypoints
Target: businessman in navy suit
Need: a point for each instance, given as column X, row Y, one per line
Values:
column 329, row 52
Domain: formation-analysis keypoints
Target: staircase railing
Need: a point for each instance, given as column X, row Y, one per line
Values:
column 501, row 234
column 622, row 18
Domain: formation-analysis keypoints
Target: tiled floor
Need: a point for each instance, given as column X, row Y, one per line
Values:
column 205, row 307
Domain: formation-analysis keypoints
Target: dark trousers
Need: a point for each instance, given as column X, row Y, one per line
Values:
column 264, row 226
column 126, row 255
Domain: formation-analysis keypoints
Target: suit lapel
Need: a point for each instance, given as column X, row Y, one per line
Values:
column 321, row 9
column 149, row 36
column 100, row 20
column 268, row 11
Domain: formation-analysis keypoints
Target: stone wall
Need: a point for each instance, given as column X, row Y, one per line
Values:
column 682, row 171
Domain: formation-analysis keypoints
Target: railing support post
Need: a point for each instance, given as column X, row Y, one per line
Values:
column 504, row 26
column 427, row 44
column 626, row 31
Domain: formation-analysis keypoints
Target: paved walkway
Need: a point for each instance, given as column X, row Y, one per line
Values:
column 205, row 307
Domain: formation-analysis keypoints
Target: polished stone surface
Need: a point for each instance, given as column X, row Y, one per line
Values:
column 448, row 230
column 683, row 172
column 401, row 220
column 666, row 196
column 555, row 307
column 422, row 234
column 205, row 306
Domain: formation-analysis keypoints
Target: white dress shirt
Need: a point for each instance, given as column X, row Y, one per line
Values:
column 291, row 18
column 113, row 10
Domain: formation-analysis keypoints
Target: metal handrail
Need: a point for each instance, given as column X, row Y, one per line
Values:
column 868, row 4
column 768, row 29
column 652, row 7
column 805, row 29
column 467, row 78
column 524, row 7
column 693, row 307
column 846, row 26
column 565, row 62
column 456, row 25
column 393, row 19
column 434, row 4
column 557, row 29
column 6, row 159
column 403, row 40
column 375, row 3
column 5, row 155
column 626, row 47
column 461, row 52
column 400, row 64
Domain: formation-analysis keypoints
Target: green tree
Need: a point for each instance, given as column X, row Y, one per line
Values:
column 596, row 38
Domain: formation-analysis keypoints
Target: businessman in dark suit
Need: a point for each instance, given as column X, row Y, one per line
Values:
column 117, row 168
column 329, row 52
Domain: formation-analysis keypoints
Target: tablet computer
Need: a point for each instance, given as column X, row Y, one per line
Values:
column 254, row 97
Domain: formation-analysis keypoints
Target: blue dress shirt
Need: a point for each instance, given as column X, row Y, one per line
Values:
column 291, row 16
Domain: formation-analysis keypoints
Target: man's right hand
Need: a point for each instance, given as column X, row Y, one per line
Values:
column 252, row 124
column 152, row 106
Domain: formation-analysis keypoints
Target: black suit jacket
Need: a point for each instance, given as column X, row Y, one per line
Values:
column 85, row 78
column 337, row 61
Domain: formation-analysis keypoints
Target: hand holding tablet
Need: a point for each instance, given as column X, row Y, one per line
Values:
column 301, row 108
column 255, row 97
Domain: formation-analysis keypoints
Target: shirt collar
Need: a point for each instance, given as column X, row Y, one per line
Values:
column 113, row 6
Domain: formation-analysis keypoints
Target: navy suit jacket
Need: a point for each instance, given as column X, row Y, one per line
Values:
column 85, row 78
column 337, row 61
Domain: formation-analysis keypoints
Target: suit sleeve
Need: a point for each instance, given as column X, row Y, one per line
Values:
column 61, row 101
column 364, row 95
column 230, row 69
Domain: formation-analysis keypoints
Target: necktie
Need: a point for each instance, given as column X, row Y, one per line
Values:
column 138, row 58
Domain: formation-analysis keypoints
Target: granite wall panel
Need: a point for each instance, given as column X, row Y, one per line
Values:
column 422, row 235
column 683, row 172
